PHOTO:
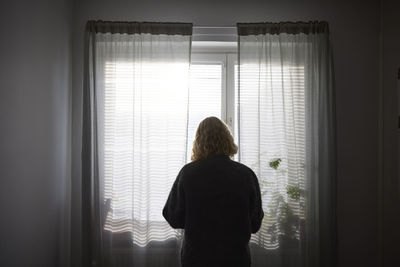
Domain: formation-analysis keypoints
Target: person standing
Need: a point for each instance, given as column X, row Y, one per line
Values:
column 216, row 200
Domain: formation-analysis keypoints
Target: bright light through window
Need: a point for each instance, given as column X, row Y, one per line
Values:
column 204, row 96
column 151, row 101
column 144, row 129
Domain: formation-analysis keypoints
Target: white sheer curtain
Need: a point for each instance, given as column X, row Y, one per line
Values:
column 137, row 86
column 286, row 135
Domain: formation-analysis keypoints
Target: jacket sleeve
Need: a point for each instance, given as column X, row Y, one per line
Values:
column 174, row 209
column 256, row 212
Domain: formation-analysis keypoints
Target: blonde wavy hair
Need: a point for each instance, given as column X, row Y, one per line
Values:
column 213, row 137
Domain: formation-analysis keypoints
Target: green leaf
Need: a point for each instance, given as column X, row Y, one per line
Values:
column 293, row 192
column 274, row 163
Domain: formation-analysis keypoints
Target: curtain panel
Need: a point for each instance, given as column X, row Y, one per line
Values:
column 286, row 132
column 135, row 116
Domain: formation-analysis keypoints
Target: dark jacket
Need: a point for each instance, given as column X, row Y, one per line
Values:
column 217, row 201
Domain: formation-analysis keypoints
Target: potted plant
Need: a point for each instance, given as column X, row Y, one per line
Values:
column 289, row 227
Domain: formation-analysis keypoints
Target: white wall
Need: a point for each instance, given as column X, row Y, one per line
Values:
column 355, row 31
column 35, row 83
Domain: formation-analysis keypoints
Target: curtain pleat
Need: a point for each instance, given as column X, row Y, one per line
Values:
column 123, row 27
column 135, row 119
column 313, row 27
column 286, row 127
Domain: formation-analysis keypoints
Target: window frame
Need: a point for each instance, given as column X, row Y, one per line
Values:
column 210, row 59
column 224, row 53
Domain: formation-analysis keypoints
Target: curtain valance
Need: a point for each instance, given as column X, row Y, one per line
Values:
column 156, row 28
column 312, row 27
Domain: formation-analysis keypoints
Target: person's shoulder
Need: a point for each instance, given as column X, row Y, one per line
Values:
column 198, row 165
column 242, row 168
column 188, row 167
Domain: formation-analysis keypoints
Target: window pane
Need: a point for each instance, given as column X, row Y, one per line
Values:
column 144, row 126
column 204, row 97
column 272, row 123
column 124, row 116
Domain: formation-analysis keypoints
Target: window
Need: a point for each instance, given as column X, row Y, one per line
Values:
column 125, row 96
column 273, row 114
column 206, row 92
column 127, row 107
column 213, row 91
column 211, row 88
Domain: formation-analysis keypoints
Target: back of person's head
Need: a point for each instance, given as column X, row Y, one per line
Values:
column 213, row 138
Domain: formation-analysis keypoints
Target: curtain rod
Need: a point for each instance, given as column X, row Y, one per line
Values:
column 213, row 33
column 214, row 27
